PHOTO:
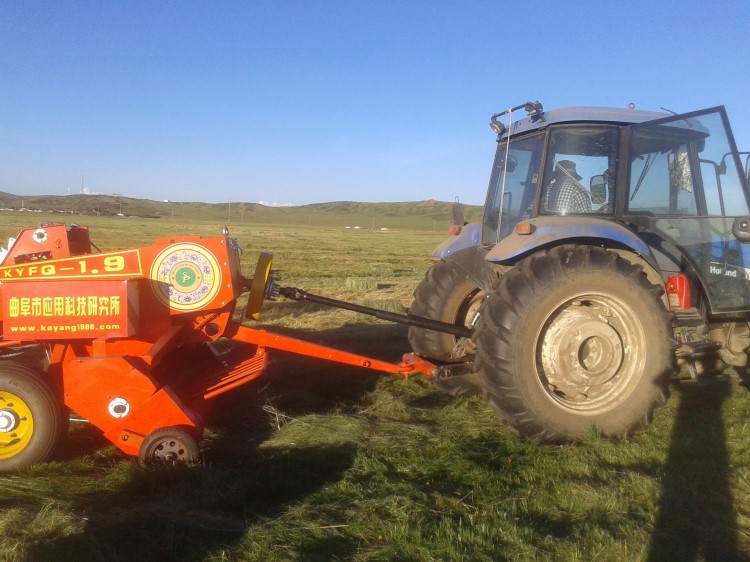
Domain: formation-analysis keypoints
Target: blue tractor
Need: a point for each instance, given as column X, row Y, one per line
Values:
column 614, row 250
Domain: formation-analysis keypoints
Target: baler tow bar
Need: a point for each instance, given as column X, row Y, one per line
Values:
column 264, row 287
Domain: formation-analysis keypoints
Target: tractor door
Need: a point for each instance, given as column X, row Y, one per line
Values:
column 685, row 190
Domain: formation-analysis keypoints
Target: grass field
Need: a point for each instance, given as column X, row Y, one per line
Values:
column 318, row 461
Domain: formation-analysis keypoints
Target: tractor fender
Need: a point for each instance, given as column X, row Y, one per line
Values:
column 472, row 262
column 469, row 237
column 547, row 232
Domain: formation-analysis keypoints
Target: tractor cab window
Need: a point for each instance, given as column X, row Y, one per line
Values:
column 580, row 169
column 662, row 182
column 685, row 186
column 685, row 166
column 512, row 189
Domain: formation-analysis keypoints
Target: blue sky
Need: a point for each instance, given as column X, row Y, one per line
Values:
column 306, row 102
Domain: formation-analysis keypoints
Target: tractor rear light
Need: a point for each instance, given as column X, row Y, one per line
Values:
column 524, row 228
column 455, row 230
column 678, row 291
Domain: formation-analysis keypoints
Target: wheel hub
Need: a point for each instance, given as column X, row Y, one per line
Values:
column 9, row 420
column 467, row 315
column 581, row 350
column 169, row 450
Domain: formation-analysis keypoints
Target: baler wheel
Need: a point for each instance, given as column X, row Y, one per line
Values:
column 169, row 445
column 30, row 417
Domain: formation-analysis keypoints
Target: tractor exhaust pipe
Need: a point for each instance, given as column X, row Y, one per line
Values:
column 418, row 321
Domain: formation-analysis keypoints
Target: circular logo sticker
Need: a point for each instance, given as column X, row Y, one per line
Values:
column 185, row 277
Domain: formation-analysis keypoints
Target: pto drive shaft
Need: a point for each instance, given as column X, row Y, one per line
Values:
column 418, row 321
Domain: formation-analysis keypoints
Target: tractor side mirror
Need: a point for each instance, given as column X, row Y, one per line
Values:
column 741, row 229
column 598, row 190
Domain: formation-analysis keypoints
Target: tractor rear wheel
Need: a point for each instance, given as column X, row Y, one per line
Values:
column 31, row 421
column 169, row 445
column 573, row 340
column 449, row 295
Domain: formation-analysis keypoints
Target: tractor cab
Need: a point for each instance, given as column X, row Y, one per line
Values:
column 668, row 187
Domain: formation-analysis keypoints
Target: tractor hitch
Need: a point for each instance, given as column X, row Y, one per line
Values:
column 408, row 319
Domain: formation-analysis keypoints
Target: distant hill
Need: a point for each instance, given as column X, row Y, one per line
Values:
column 417, row 215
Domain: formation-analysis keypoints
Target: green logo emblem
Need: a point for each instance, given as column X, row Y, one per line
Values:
column 185, row 277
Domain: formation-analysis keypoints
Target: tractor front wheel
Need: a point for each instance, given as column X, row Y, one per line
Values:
column 31, row 421
column 572, row 340
column 449, row 295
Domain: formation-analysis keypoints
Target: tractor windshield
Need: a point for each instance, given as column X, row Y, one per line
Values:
column 685, row 183
column 512, row 188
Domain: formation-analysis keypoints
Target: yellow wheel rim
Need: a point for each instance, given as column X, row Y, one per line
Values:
column 16, row 425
